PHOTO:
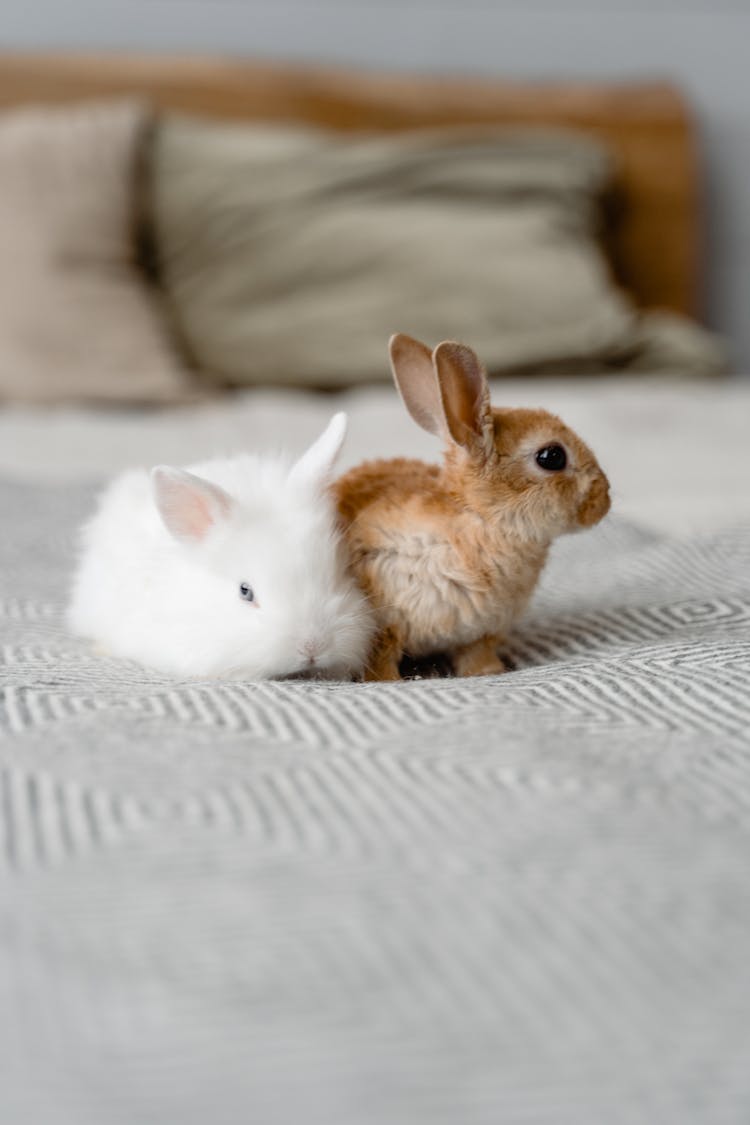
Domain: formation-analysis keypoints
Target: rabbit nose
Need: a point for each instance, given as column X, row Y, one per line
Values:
column 310, row 650
column 596, row 504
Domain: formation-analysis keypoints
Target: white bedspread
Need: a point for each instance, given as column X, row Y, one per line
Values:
column 676, row 453
column 518, row 898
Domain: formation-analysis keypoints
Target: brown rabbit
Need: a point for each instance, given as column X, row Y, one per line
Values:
column 449, row 556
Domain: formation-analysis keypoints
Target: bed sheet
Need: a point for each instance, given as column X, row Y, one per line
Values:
column 520, row 898
column 675, row 451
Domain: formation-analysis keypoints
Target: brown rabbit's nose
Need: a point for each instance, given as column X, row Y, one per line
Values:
column 596, row 502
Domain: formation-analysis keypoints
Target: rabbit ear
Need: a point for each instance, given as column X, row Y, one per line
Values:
column 189, row 506
column 413, row 370
column 315, row 465
column 464, row 395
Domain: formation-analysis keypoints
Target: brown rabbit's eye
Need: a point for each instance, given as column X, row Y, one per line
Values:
column 553, row 458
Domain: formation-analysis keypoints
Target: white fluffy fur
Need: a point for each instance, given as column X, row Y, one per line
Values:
column 174, row 605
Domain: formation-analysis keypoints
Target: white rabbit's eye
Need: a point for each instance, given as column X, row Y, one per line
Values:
column 246, row 592
column 553, row 458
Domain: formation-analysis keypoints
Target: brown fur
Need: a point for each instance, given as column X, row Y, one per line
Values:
column 449, row 556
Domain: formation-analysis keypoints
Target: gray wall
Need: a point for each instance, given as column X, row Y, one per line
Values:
column 703, row 44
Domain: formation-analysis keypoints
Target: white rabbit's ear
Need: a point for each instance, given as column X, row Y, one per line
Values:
column 464, row 395
column 316, row 464
column 189, row 506
column 414, row 373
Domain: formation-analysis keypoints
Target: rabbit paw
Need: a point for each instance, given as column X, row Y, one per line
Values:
column 479, row 658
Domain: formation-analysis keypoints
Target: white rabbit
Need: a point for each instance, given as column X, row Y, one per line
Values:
column 232, row 569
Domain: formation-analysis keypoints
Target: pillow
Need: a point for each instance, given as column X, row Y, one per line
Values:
column 76, row 319
column 290, row 255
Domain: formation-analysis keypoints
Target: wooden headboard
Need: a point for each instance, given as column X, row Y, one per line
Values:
column 655, row 242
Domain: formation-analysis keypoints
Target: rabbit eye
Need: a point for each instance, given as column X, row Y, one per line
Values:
column 246, row 592
column 553, row 458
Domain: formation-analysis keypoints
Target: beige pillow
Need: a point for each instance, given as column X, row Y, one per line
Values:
column 77, row 321
column 290, row 255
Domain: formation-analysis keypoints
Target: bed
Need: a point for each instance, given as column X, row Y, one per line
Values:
column 511, row 899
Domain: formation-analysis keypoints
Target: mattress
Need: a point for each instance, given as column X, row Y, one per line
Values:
column 511, row 899
column 673, row 451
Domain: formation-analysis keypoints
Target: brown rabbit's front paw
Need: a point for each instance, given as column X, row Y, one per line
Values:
column 386, row 673
column 479, row 658
column 384, row 658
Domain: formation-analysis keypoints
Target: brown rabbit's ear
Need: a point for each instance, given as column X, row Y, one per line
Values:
column 413, row 370
column 464, row 394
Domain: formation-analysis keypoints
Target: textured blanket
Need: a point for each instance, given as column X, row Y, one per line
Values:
column 514, row 899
